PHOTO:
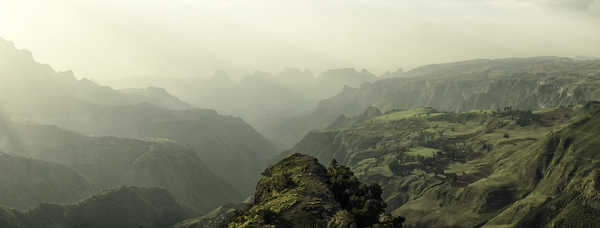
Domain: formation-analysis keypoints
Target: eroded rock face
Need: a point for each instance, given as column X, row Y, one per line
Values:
column 524, row 83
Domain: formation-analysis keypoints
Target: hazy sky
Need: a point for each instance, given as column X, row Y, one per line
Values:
column 105, row 39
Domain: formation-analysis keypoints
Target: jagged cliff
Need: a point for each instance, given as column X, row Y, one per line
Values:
column 524, row 83
column 504, row 168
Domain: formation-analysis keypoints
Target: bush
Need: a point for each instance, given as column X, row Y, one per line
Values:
column 364, row 202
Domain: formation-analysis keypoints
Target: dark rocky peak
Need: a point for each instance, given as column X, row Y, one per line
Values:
column 299, row 192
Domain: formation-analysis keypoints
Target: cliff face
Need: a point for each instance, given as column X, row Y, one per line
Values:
column 492, row 169
column 120, row 208
column 519, row 91
column 524, row 83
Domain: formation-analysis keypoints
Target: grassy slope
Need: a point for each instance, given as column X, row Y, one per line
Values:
column 119, row 208
column 486, row 163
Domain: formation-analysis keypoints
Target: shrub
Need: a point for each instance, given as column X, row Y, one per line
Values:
column 364, row 202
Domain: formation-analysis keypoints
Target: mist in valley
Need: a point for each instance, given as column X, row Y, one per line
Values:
column 190, row 114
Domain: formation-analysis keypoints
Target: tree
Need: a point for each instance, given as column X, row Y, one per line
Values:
column 364, row 202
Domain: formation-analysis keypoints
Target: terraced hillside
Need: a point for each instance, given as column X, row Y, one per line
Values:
column 500, row 168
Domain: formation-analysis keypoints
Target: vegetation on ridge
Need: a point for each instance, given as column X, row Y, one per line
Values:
column 300, row 192
column 125, row 207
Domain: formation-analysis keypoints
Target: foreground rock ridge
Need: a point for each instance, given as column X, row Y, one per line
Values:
column 300, row 192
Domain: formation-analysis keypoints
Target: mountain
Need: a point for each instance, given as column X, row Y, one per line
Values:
column 158, row 96
column 108, row 162
column 30, row 86
column 261, row 98
column 585, row 58
column 524, row 83
column 124, row 207
column 25, row 183
column 483, row 168
column 35, row 92
column 345, row 77
column 300, row 192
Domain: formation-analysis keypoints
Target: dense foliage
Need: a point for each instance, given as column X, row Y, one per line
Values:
column 299, row 192
column 362, row 201
column 521, row 117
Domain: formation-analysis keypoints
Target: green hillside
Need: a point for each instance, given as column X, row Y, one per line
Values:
column 24, row 183
column 496, row 168
column 124, row 207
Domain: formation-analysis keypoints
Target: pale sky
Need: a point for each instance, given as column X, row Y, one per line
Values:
column 107, row 39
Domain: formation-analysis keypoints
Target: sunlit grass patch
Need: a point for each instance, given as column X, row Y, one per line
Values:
column 419, row 112
column 422, row 151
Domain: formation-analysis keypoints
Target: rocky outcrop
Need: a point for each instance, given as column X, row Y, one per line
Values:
column 300, row 192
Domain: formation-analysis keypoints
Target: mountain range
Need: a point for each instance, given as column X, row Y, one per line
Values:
column 523, row 83
column 483, row 168
column 34, row 92
column 496, row 143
